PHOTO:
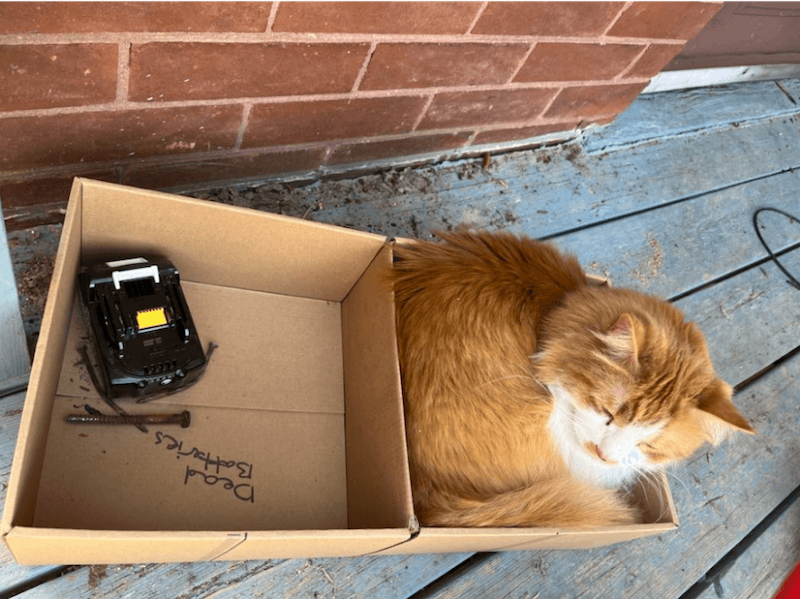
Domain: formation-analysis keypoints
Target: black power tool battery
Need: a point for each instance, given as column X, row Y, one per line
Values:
column 144, row 340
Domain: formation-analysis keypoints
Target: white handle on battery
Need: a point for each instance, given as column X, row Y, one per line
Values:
column 138, row 273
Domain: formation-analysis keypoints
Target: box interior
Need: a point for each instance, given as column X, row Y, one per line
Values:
column 299, row 313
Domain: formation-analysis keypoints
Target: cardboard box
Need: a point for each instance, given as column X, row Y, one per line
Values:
column 297, row 444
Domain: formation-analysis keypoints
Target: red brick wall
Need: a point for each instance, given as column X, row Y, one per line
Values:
column 166, row 94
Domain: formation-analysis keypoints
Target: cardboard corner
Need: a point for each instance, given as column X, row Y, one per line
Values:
column 597, row 280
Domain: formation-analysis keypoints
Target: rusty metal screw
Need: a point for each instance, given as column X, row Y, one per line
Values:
column 184, row 418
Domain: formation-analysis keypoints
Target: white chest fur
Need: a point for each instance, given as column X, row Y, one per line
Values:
column 572, row 427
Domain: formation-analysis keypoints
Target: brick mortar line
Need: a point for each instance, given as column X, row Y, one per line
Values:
column 422, row 113
column 362, row 72
column 312, row 38
column 477, row 17
column 123, row 71
column 25, row 175
column 522, row 62
column 550, row 103
column 273, row 13
column 613, row 22
column 359, row 95
column 622, row 74
column 327, row 153
column 246, row 109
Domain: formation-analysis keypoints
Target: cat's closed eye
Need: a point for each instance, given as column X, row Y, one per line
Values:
column 608, row 415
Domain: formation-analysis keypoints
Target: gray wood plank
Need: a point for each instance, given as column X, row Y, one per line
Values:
column 12, row 574
column 759, row 572
column 367, row 577
column 539, row 192
column 667, row 114
column 14, row 359
column 676, row 248
column 750, row 321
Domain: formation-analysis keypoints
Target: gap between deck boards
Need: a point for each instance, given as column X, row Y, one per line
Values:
column 687, row 198
column 464, row 567
column 716, row 572
column 711, row 282
column 31, row 583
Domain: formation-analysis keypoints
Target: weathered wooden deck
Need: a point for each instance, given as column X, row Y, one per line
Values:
column 662, row 201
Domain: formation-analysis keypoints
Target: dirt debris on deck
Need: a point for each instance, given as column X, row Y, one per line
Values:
column 405, row 201
column 300, row 199
column 327, row 200
column 32, row 253
column 96, row 574
column 327, row 197
column 650, row 267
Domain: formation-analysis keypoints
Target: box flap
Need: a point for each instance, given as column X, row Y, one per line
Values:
column 376, row 442
column 223, row 245
column 454, row 540
column 576, row 539
column 34, row 423
column 34, row 546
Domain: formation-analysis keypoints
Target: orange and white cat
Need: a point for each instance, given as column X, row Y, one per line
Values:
column 533, row 398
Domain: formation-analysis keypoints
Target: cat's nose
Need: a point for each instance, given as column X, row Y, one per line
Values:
column 601, row 454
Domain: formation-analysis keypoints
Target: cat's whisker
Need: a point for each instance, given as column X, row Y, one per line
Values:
column 651, row 477
column 528, row 398
column 503, row 378
column 679, row 479
column 646, row 477
column 664, row 506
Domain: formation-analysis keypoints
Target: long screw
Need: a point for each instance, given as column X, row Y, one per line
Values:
column 184, row 418
column 88, row 362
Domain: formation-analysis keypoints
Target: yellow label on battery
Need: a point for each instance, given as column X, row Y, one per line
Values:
column 147, row 319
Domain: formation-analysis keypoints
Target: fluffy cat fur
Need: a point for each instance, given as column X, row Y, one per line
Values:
column 532, row 398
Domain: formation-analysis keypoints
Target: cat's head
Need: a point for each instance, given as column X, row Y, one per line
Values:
column 633, row 381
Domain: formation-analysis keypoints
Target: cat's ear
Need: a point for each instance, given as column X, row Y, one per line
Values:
column 624, row 340
column 717, row 414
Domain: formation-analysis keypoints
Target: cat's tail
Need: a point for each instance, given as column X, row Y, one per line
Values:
column 559, row 503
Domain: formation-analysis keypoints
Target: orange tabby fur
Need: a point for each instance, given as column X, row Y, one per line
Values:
column 488, row 326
